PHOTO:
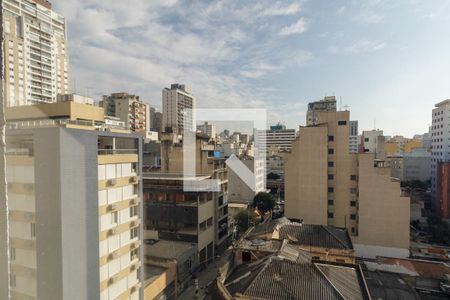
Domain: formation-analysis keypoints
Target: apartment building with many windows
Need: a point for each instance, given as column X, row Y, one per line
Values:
column 129, row 109
column 327, row 185
column 440, row 144
column 178, row 104
column 74, row 197
column 36, row 56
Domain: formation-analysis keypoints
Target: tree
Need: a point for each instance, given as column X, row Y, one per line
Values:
column 244, row 219
column 273, row 176
column 264, row 202
column 438, row 229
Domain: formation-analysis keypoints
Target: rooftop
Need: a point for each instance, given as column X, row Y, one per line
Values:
column 290, row 274
column 316, row 235
column 168, row 249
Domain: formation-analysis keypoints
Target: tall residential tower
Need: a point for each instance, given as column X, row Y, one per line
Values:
column 35, row 53
column 178, row 105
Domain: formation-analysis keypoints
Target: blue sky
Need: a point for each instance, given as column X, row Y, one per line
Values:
column 389, row 61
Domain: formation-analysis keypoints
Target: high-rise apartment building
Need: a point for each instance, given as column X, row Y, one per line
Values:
column 178, row 105
column 353, row 137
column 326, row 184
column 208, row 129
column 443, row 189
column 276, row 137
column 440, row 144
column 36, row 56
column 129, row 109
column 74, row 204
column 328, row 103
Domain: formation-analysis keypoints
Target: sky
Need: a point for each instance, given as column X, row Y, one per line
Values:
column 388, row 62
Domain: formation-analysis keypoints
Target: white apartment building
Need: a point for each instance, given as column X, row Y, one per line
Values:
column 370, row 140
column 74, row 201
column 353, row 137
column 440, row 142
column 277, row 137
column 35, row 52
column 178, row 105
column 208, row 129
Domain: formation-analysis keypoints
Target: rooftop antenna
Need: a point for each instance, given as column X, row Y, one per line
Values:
column 375, row 123
column 75, row 85
column 346, row 107
column 340, row 103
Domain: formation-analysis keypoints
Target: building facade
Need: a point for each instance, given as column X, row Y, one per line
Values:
column 178, row 105
column 36, row 56
column 208, row 129
column 353, row 137
column 74, row 204
column 328, row 103
column 277, row 137
column 443, row 189
column 324, row 186
column 129, row 109
column 440, row 144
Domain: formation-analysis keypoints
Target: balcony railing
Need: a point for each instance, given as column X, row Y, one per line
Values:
column 116, row 151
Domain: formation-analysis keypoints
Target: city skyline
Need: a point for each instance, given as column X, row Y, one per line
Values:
column 274, row 55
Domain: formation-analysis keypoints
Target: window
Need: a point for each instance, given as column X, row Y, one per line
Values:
column 134, row 254
column 330, row 151
column 352, row 217
column 353, row 203
column 366, row 139
column 133, row 211
column 342, row 123
column 353, row 177
column 330, row 164
column 330, row 190
column 330, row 202
column 114, row 217
column 331, row 138
column 246, row 256
column 353, row 190
column 330, row 176
column 330, row 215
column 33, row 230
column 13, row 254
column 134, row 233
column 12, row 279
column 353, row 229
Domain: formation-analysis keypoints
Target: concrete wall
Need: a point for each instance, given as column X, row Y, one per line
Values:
column 384, row 214
column 66, row 214
column 306, row 177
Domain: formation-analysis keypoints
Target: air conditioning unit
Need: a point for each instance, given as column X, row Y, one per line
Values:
column 111, row 231
column 134, row 179
column 111, row 280
column 111, row 207
column 133, row 224
column 133, row 245
column 133, row 289
column 132, row 268
column 111, row 182
column 112, row 256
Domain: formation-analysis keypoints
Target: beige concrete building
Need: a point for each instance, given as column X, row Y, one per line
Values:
column 205, row 164
column 35, row 52
column 327, row 185
column 129, row 109
column 74, row 195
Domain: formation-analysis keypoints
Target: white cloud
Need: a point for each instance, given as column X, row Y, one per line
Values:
column 279, row 9
column 365, row 46
column 296, row 28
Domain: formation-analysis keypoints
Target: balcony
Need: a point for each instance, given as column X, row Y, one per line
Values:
column 116, row 151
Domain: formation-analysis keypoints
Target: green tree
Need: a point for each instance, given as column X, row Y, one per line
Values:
column 244, row 219
column 264, row 202
column 438, row 229
column 273, row 176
